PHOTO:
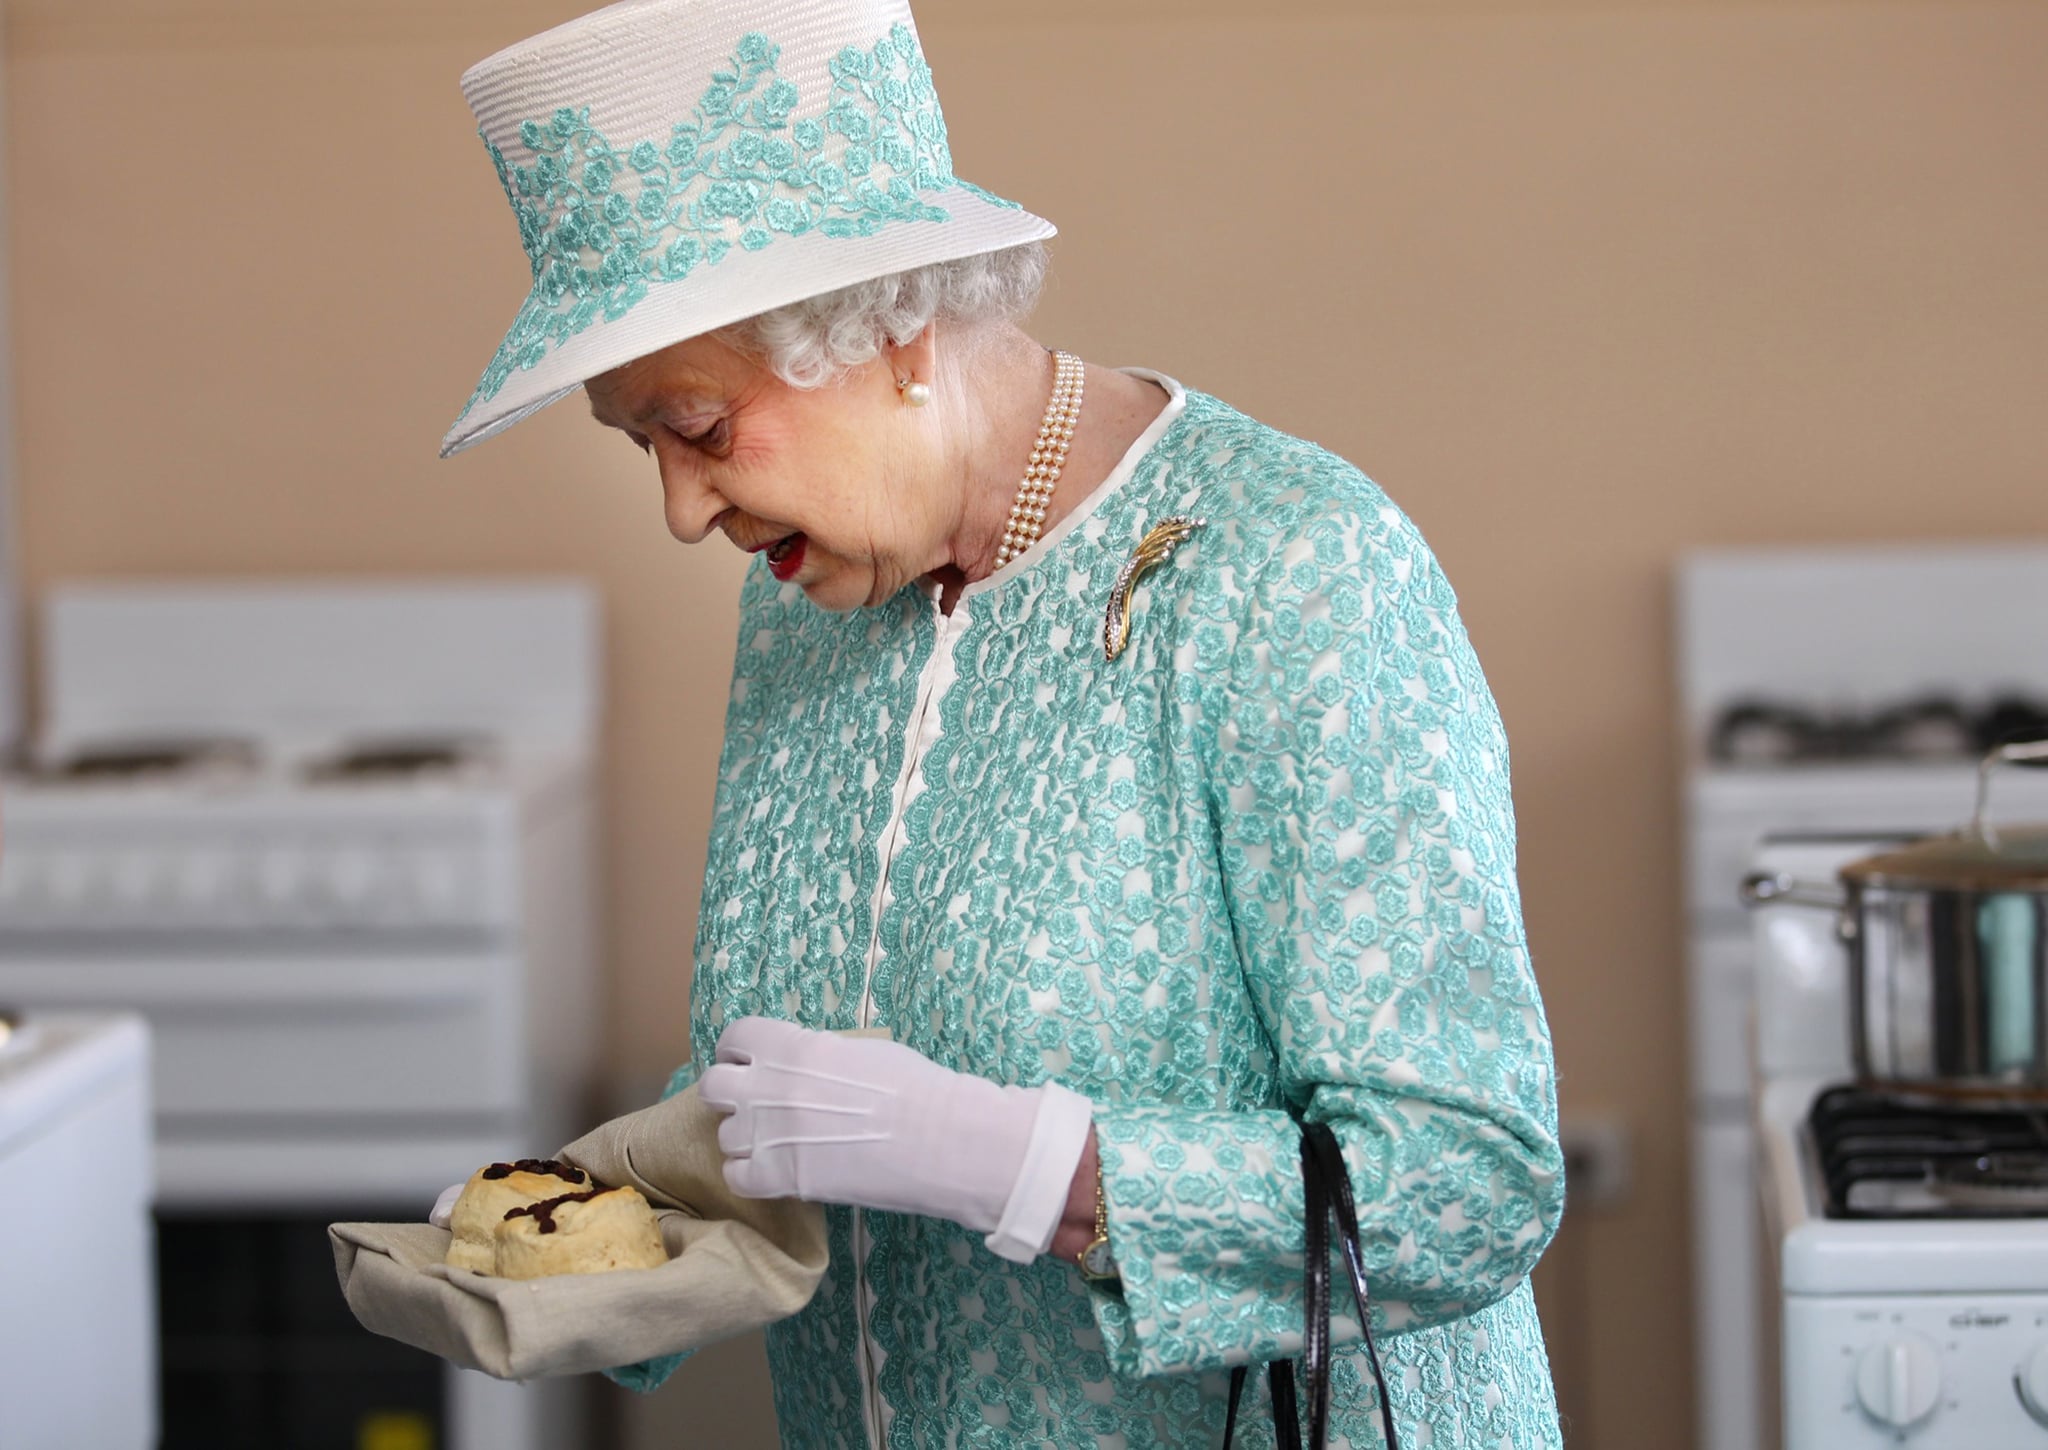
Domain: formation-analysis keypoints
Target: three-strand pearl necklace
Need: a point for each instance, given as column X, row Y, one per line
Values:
column 1048, row 457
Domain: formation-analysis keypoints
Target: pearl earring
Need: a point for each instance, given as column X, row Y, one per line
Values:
column 914, row 394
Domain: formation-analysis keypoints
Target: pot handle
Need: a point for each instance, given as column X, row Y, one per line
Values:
column 1772, row 888
column 2013, row 752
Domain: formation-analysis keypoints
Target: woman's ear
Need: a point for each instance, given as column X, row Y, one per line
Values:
column 915, row 361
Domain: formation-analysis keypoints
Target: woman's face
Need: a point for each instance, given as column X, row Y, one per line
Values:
column 838, row 485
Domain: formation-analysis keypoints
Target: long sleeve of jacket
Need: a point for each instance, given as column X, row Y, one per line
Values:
column 1356, row 771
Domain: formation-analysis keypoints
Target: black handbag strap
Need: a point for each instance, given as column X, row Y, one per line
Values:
column 1315, row 1344
column 1230, row 1413
column 1286, row 1417
column 1319, row 1145
column 1326, row 1193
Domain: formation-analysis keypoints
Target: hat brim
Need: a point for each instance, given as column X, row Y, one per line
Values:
column 742, row 285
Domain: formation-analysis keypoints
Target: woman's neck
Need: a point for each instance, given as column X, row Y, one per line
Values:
column 1010, row 379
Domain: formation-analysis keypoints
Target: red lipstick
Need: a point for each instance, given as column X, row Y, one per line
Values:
column 786, row 557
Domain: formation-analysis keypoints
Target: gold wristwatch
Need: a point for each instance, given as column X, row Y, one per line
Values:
column 1096, row 1262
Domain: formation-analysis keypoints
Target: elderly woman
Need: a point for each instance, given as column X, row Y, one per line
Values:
column 1121, row 758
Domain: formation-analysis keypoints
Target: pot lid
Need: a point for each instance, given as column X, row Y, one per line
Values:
column 2015, row 859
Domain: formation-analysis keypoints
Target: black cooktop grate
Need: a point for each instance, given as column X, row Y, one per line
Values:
column 141, row 759
column 1932, row 728
column 1897, row 1154
column 398, row 759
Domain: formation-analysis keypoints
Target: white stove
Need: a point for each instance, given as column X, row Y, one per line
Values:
column 1828, row 691
column 336, row 842
column 76, row 1291
column 1928, row 1331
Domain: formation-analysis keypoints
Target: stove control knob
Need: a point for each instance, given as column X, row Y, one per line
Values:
column 201, row 879
column 2033, row 1384
column 441, row 883
column 15, row 880
column 281, row 879
column 1898, row 1380
column 353, row 879
column 67, row 881
column 134, row 880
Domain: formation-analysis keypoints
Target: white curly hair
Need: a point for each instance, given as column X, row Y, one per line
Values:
column 810, row 343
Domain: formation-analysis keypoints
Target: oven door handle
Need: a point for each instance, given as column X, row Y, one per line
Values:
column 187, row 989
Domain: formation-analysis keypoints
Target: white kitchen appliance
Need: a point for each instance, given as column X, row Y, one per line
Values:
column 335, row 842
column 1909, row 1230
column 1834, row 690
column 77, row 1300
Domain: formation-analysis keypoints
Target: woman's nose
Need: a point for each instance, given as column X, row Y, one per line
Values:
column 691, row 507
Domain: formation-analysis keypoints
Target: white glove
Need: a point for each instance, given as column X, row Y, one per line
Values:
column 444, row 1206
column 870, row 1123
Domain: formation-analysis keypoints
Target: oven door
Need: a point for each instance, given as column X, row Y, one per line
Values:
column 301, row 1075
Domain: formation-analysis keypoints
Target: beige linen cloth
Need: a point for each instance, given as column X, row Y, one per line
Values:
column 735, row 1264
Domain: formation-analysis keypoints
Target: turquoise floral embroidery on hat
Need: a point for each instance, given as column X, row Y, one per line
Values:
column 602, row 223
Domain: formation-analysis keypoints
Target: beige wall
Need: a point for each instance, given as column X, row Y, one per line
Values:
column 1584, row 285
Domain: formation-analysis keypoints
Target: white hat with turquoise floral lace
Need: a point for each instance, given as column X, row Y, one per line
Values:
column 676, row 166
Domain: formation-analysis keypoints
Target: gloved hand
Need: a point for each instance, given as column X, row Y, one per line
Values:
column 874, row 1124
column 444, row 1206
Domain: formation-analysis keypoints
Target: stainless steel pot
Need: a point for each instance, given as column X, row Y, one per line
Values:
column 1947, row 944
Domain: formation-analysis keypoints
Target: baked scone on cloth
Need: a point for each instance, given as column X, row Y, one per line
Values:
column 499, row 1189
column 597, row 1231
column 733, row 1264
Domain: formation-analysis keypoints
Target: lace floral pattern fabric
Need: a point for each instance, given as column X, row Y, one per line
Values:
column 602, row 222
column 1260, row 866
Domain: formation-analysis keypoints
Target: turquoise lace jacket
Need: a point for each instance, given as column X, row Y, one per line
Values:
column 1260, row 867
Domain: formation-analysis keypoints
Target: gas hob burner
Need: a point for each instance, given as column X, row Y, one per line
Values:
column 1898, row 1154
column 1930, row 728
column 379, row 762
column 125, row 761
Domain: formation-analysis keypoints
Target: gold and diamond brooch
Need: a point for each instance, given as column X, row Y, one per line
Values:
column 1153, row 550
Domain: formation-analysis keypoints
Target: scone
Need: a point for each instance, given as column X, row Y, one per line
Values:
column 495, row 1191
column 580, row 1233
